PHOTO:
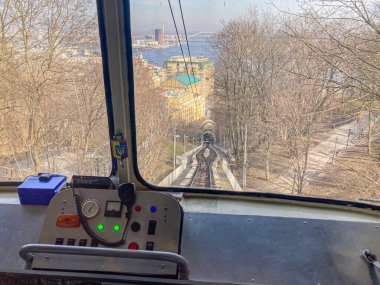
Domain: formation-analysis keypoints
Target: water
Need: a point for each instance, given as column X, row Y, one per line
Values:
column 198, row 47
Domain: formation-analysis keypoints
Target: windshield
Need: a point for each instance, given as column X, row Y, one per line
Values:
column 263, row 96
column 52, row 106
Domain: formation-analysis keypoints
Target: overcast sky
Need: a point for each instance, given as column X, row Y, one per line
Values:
column 200, row 15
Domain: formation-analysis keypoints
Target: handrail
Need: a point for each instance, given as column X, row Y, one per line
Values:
column 26, row 252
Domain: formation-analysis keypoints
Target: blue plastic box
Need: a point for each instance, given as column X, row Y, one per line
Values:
column 35, row 192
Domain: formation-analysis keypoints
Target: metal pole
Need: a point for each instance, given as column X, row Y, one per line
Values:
column 348, row 138
column 245, row 158
column 334, row 154
column 184, row 143
column 193, row 142
column 174, row 155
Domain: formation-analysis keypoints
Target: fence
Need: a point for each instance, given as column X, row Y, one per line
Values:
column 342, row 123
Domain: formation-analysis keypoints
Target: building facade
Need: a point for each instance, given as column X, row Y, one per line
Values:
column 185, row 100
column 153, row 69
column 184, row 106
column 159, row 36
column 186, row 82
column 200, row 67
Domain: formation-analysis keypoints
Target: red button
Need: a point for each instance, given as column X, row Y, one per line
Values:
column 133, row 245
column 68, row 221
column 137, row 208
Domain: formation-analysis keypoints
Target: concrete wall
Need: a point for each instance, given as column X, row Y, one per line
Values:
column 174, row 174
column 230, row 176
column 180, row 169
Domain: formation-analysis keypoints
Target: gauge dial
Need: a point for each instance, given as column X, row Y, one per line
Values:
column 90, row 208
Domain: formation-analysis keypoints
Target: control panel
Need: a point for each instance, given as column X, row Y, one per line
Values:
column 96, row 218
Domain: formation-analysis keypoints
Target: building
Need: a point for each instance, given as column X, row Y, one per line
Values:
column 186, row 82
column 153, row 44
column 159, row 36
column 201, row 67
column 153, row 69
column 185, row 100
column 185, row 106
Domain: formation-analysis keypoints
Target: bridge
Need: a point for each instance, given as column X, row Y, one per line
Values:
column 201, row 35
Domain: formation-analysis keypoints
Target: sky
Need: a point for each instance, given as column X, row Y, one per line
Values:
column 199, row 15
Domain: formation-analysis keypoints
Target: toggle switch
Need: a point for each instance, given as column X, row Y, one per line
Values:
column 152, row 227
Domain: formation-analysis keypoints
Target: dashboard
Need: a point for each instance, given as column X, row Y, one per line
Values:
column 90, row 221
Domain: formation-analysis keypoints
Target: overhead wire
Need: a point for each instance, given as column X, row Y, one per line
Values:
column 180, row 44
column 187, row 41
column 191, row 60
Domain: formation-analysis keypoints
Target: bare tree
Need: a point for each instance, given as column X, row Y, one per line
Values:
column 247, row 62
column 347, row 38
column 152, row 126
column 43, row 69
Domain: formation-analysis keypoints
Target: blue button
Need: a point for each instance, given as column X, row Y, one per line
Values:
column 153, row 209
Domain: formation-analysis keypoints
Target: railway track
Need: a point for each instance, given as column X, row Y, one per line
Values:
column 204, row 177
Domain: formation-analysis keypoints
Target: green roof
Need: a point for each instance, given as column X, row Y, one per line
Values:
column 187, row 79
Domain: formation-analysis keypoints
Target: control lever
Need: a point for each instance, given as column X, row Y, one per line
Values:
column 370, row 258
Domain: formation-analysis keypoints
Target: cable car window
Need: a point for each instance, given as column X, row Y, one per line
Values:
column 52, row 105
column 258, row 96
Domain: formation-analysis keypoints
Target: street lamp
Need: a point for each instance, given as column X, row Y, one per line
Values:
column 174, row 148
column 184, row 142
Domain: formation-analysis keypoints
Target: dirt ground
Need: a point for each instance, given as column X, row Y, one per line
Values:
column 354, row 173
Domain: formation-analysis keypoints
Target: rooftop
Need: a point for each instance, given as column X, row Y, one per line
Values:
column 187, row 79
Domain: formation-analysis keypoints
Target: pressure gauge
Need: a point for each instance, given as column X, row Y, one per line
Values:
column 90, row 208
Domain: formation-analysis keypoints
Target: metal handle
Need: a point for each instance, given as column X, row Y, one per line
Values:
column 370, row 258
column 26, row 252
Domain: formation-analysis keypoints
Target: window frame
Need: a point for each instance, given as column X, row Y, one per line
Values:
column 131, row 114
column 216, row 193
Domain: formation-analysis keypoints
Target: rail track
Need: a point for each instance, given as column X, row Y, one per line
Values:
column 204, row 177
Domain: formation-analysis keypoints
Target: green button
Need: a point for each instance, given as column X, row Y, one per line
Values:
column 100, row 227
column 116, row 228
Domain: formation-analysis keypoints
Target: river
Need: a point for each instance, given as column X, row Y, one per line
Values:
column 198, row 47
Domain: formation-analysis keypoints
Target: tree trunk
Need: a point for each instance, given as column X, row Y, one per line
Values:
column 267, row 157
column 369, row 145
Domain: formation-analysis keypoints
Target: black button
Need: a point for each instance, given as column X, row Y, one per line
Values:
column 135, row 226
column 82, row 242
column 152, row 227
column 94, row 243
column 71, row 241
column 59, row 241
column 149, row 245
